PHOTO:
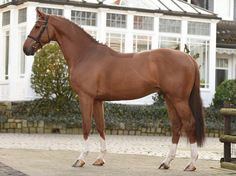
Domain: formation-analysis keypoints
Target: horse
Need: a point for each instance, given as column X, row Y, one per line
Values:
column 97, row 74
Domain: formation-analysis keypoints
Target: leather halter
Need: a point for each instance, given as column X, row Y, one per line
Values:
column 41, row 31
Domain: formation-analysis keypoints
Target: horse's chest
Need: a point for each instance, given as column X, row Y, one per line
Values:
column 82, row 83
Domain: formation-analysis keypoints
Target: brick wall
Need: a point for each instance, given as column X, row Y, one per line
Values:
column 24, row 126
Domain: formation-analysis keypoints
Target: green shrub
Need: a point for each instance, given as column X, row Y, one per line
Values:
column 225, row 94
column 135, row 116
column 50, row 78
column 213, row 118
column 158, row 99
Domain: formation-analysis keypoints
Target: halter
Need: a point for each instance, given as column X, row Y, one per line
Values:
column 42, row 29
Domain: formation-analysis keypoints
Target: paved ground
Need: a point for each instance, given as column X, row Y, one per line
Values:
column 53, row 155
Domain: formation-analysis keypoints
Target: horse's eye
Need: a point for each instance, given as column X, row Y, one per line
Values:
column 36, row 27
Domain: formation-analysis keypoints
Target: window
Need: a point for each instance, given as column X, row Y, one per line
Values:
column 200, row 49
column 22, row 34
column 198, row 28
column 201, row 3
column 116, row 20
column 52, row 11
column 169, row 42
column 84, row 18
column 4, row 1
column 170, row 26
column 143, row 22
column 142, row 43
column 116, row 41
column 22, row 15
column 221, row 70
column 6, row 18
column 6, row 53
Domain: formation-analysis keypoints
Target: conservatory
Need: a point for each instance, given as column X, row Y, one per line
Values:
column 124, row 25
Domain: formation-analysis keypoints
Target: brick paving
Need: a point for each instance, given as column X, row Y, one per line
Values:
column 8, row 171
column 143, row 145
column 53, row 155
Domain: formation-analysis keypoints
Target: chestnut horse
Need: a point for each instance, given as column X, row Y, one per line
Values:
column 98, row 74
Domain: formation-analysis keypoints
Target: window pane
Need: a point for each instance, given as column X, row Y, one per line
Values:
column 142, row 43
column 22, row 55
column 52, row 11
column 169, row 42
column 84, row 18
column 171, row 26
column 5, row 18
column 4, row 1
column 143, row 22
column 116, row 20
column 22, row 15
column 116, row 41
column 6, row 50
column 200, row 49
column 198, row 28
column 221, row 75
column 222, row 63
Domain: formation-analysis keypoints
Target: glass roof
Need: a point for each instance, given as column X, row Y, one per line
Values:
column 171, row 7
column 163, row 5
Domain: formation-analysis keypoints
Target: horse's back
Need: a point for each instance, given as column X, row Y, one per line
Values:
column 174, row 70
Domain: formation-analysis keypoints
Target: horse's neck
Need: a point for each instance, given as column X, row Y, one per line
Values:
column 73, row 41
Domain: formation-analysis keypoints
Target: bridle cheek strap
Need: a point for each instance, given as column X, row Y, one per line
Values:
column 42, row 29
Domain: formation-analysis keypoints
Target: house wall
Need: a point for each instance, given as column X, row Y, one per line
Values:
column 225, row 9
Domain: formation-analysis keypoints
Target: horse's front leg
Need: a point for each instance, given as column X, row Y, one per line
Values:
column 86, row 107
column 98, row 111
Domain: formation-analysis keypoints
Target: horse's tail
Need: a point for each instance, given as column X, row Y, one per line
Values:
column 195, row 103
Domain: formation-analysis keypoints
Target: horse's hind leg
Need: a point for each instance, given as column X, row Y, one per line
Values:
column 176, row 126
column 100, row 125
column 86, row 106
column 188, row 121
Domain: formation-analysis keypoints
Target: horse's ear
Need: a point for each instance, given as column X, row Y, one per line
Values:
column 40, row 14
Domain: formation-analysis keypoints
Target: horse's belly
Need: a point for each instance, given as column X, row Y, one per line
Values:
column 127, row 92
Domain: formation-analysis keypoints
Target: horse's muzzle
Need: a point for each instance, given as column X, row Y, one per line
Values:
column 29, row 51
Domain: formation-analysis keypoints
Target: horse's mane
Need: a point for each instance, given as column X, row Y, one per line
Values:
column 78, row 27
column 86, row 34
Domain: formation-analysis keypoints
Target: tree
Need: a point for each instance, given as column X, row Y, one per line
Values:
column 50, row 77
column 225, row 94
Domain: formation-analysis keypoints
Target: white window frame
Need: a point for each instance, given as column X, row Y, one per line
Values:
column 3, row 76
column 118, row 13
column 148, row 42
column 170, row 19
column 21, row 27
column 122, row 48
column 140, row 15
column 207, row 72
column 169, row 35
column 96, row 23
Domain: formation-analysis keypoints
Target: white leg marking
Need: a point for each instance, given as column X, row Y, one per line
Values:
column 103, row 149
column 194, row 153
column 85, row 150
column 171, row 154
column 194, row 156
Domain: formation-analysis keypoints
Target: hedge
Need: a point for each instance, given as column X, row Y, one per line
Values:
column 116, row 115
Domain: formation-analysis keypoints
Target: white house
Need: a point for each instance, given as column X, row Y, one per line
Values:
column 124, row 25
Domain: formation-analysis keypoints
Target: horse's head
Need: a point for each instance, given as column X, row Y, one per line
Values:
column 39, row 35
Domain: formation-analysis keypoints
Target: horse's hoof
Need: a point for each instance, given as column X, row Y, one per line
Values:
column 190, row 167
column 99, row 162
column 78, row 163
column 164, row 166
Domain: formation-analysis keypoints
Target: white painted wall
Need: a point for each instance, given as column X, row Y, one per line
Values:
column 224, row 8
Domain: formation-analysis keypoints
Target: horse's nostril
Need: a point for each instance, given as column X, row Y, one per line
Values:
column 28, row 51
